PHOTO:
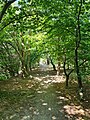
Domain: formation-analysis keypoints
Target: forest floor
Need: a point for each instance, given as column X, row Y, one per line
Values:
column 42, row 96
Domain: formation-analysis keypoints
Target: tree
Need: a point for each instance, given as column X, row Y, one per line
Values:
column 56, row 24
column 66, row 25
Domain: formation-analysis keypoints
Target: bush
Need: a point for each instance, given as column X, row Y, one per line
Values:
column 3, row 76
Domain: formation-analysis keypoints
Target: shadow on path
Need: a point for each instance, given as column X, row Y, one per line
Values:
column 43, row 97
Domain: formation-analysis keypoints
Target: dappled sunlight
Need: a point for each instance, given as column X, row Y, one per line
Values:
column 62, row 98
column 25, row 117
column 12, row 116
column 54, row 117
column 44, row 104
column 38, row 78
column 49, row 109
column 40, row 92
column 76, row 110
column 49, row 79
column 41, row 98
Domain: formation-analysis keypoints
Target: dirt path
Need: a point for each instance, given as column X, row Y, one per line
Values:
column 42, row 96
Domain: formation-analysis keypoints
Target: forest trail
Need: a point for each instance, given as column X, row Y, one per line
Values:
column 42, row 96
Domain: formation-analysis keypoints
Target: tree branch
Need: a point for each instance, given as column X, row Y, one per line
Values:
column 15, row 18
column 7, row 4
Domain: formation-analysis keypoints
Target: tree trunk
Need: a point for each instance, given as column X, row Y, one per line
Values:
column 58, row 68
column 47, row 61
column 67, row 78
column 24, row 71
column 77, row 69
column 65, row 72
column 54, row 68
column 78, row 40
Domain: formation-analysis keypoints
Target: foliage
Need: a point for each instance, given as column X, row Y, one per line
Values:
column 33, row 29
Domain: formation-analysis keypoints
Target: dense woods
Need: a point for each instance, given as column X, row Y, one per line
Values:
column 31, row 29
column 57, row 31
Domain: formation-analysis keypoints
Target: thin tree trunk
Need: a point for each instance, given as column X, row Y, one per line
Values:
column 65, row 72
column 58, row 68
column 78, row 40
column 77, row 69
column 54, row 67
column 67, row 79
